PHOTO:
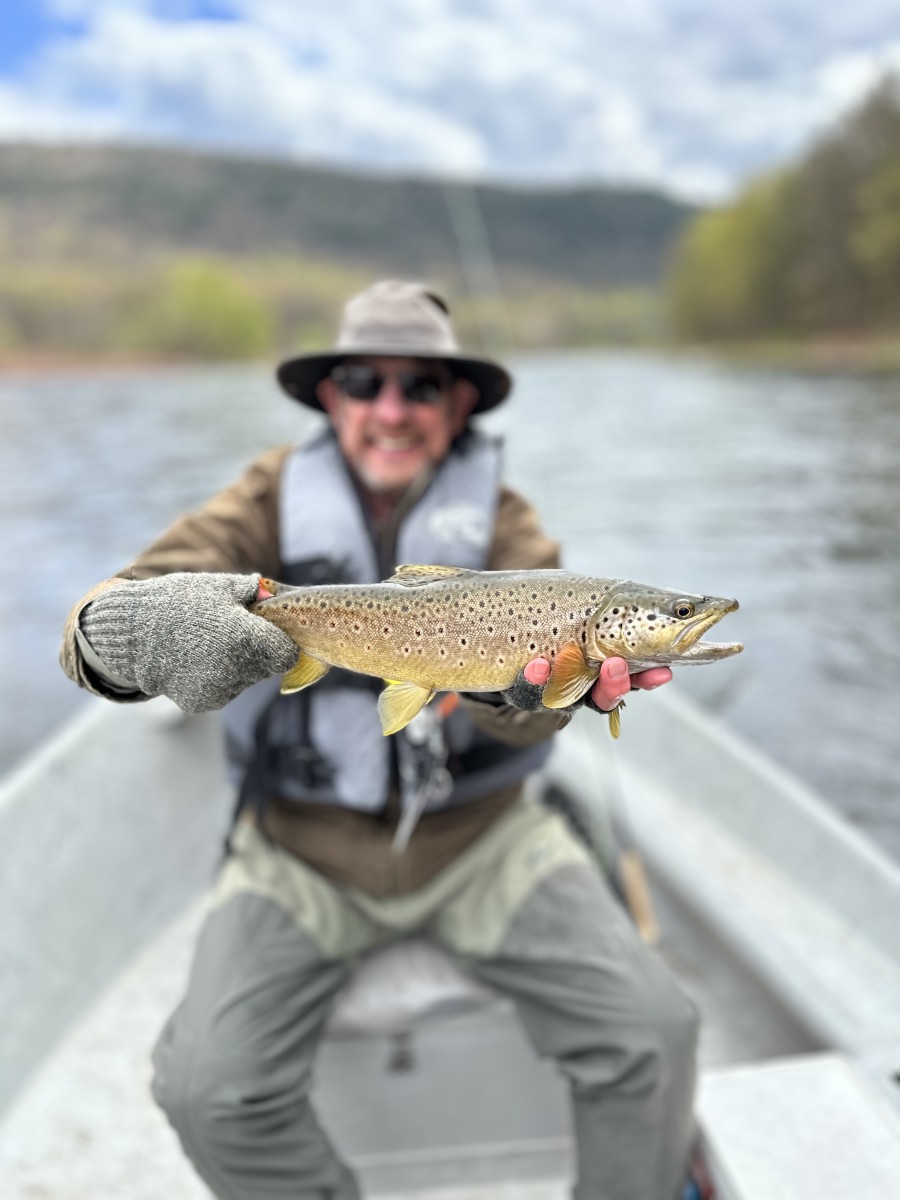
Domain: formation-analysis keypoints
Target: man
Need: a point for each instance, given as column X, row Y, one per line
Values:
column 345, row 839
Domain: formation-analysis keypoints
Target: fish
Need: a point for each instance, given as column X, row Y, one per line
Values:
column 433, row 628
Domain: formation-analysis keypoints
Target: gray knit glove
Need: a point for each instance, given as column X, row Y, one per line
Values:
column 188, row 636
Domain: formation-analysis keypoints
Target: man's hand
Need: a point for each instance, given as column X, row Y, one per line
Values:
column 613, row 683
column 188, row 636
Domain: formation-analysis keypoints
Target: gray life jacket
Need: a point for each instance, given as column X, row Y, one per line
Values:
column 325, row 743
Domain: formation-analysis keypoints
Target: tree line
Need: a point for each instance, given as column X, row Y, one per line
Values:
column 809, row 250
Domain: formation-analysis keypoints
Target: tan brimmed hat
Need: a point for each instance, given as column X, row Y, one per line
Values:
column 397, row 319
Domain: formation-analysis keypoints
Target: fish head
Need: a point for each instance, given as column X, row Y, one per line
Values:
column 648, row 626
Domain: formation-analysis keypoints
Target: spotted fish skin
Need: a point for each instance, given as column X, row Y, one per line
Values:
column 460, row 631
column 433, row 628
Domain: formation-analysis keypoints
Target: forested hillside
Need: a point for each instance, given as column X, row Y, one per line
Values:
column 811, row 250
column 141, row 251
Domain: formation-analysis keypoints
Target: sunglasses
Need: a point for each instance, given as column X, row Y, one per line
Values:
column 360, row 382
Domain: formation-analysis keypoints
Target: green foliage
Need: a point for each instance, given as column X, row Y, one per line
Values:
column 202, row 308
column 814, row 250
column 140, row 251
column 725, row 278
column 876, row 237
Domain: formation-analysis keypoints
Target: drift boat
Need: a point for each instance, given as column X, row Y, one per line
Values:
column 779, row 918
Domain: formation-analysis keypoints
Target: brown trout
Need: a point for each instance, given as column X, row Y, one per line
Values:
column 432, row 629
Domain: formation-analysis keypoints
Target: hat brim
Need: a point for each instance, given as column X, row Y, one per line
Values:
column 300, row 376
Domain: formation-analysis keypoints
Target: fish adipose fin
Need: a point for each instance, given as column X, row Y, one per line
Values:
column 569, row 679
column 412, row 574
column 305, row 672
column 399, row 703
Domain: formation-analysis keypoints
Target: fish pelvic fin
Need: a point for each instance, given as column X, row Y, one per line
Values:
column 399, row 703
column 305, row 672
column 413, row 574
column 570, row 677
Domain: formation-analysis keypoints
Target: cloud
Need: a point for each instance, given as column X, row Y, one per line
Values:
column 682, row 94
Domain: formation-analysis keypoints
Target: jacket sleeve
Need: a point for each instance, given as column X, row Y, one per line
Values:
column 519, row 544
column 237, row 530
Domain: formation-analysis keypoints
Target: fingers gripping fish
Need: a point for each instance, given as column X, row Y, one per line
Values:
column 434, row 628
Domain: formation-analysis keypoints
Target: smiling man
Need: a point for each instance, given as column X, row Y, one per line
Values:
column 344, row 838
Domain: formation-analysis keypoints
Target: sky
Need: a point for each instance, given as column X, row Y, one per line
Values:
column 694, row 97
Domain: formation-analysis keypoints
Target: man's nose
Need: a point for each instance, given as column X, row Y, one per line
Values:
column 390, row 402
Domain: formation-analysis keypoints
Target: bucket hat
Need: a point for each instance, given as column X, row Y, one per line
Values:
column 398, row 319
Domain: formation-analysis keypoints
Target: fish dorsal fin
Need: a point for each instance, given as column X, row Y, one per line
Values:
column 399, row 703
column 569, row 679
column 413, row 574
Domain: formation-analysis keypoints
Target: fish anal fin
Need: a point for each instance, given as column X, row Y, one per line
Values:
column 414, row 574
column 399, row 703
column 570, row 677
column 305, row 672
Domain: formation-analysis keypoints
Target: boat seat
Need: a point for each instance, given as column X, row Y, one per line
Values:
column 405, row 985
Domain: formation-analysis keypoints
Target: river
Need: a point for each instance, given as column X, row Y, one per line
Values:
column 780, row 488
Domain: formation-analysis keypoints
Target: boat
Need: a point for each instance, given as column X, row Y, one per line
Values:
column 779, row 917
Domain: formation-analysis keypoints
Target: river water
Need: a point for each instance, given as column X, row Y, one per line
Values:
column 779, row 488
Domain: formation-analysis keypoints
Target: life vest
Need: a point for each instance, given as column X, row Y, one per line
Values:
column 325, row 743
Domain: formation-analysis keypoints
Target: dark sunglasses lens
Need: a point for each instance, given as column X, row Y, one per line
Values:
column 359, row 383
column 365, row 383
column 422, row 389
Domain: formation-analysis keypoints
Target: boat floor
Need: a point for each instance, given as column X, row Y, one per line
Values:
column 86, row 1126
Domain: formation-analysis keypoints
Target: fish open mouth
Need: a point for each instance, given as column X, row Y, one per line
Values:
column 702, row 651
column 689, row 645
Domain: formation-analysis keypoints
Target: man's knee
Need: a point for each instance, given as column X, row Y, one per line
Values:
column 209, row 1088
column 655, row 1042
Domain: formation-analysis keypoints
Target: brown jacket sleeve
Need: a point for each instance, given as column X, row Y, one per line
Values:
column 237, row 530
column 519, row 544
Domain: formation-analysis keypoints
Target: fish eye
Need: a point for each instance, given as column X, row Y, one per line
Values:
column 683, row 609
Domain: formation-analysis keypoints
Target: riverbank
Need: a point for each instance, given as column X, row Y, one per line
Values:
column 839, row 354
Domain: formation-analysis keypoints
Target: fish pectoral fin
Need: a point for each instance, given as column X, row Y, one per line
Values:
column 615, row 719
column 305, row 672
column 399, row 703
column 413, row 574
column 570, row 677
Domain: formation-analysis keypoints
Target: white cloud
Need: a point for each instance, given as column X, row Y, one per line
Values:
column 684, row 94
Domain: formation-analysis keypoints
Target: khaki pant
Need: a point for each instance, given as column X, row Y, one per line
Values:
column 524, row 910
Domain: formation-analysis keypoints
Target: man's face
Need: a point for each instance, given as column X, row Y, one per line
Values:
column 388, row 440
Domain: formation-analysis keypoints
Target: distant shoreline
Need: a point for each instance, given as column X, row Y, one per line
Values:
column 838, row 354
